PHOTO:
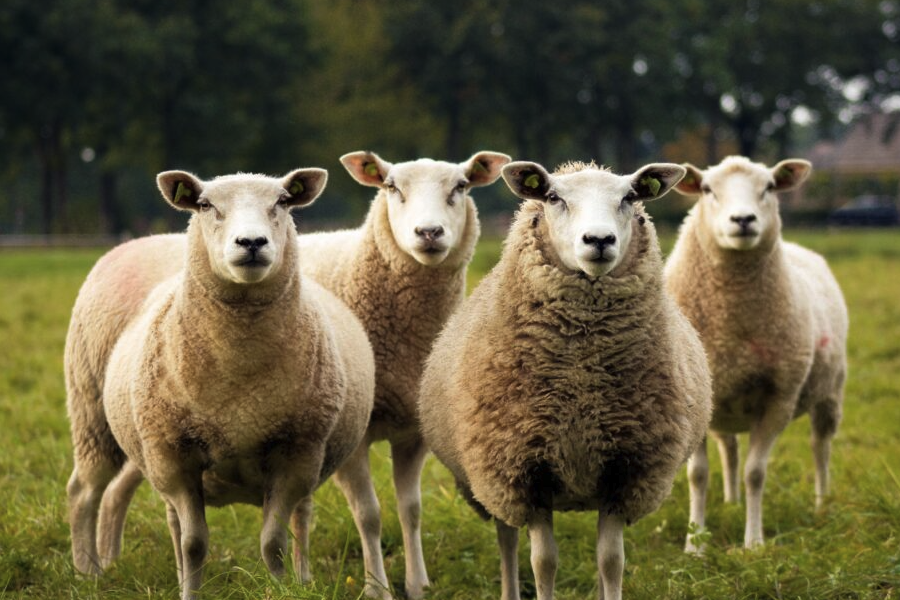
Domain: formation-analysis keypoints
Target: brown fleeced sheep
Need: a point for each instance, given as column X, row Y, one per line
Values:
column 569, row 379
column 772, row 319
column 239, row 380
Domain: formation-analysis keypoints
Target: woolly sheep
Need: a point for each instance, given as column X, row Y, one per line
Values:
column 569, row 380
column 402, row 272
column 772, row 319
column 238, row 381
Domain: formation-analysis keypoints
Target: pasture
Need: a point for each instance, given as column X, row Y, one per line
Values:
column 849, row 550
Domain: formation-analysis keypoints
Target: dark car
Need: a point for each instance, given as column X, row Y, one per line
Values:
column 867, row 211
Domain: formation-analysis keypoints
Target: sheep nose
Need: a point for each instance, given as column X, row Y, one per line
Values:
column 598, row 242
column 430, row 233
column 743, row 220
column 253, row 244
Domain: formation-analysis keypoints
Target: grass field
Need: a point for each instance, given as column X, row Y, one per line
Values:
column 851, row 549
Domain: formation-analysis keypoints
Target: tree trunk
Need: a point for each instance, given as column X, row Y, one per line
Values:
column 110, row 220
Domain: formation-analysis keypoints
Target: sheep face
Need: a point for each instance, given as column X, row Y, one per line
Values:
column 244, row 220
column 426, row 199
column 589, row 211
column 738, row 205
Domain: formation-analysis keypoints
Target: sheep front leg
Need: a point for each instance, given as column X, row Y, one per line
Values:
column 610, row 556
column 192, row 533
column 355, row 481
column 544, row 555
column 762, row 438
column 698, row 480
column 824, row 418
column 300, row 522
column 295, row 478
column 728, row 452
column 508, row 540
column 114, row 509
column 408, row 459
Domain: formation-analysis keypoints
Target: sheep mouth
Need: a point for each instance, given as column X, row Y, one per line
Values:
column 253, row 261
column 432, row 249
column 745, row 233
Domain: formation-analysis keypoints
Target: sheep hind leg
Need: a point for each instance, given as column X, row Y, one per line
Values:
column 114, row 509
column 85, row 488
column 300, row 523
column 544, row 554
column 408, row 460
column 824, row 418
column 508, row 540
column 728, row 452
column 698, row 480
column 190, row 535
column 355, row 481
column 610, row 556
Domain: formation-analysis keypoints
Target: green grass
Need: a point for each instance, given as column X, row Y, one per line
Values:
column 851, row 549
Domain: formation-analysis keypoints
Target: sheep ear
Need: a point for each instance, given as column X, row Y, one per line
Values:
column 304, row 185
column 527, row 180
column 655, row 180
column 692, row 182
column 366, row 167
column 484, row 167
column 790, row 173
column 180, row 189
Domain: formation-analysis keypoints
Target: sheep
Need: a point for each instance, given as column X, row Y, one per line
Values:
column 402, row 272
column 772, row 319
column 569, row 380
column 239, row 380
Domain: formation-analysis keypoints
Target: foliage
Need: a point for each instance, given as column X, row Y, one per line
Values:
column 851, row 549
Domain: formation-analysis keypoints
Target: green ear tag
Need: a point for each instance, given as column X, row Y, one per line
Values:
column 296, row 187
column 371, row 169
column 477, row 167
column 689, row 180
column 783, row 173
column 652, row 183
column 532, row 181
column 182, row 191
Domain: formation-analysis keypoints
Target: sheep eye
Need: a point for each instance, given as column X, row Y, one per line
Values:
column 629, row 197
column 203, row 205
column 283, row 199
column 553, row 198
column 461, row 186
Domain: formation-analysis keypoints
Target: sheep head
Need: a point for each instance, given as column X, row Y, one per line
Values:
column 426, row 199
column 589, row 210
column 245, row 220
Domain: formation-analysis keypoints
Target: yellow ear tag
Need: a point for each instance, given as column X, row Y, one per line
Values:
column 532, row 181
column 296, row 188
column 652, row 183
column 371, row 169
column 182, row 191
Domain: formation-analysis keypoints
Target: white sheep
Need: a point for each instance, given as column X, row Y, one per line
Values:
column 238, row 381
column 569, row 379
column 403, row 272
column 772, row 319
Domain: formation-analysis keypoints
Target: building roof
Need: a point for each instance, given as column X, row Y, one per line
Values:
column 871, row 146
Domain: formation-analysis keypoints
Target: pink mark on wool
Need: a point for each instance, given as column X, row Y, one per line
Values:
column 764, row 353
column 824, row 341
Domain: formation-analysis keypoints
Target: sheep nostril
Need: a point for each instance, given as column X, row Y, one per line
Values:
column 598, row 242
column 744, row 220
column 430, row 233
column 251, row 244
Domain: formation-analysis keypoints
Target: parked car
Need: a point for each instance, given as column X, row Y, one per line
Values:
column 867, row 210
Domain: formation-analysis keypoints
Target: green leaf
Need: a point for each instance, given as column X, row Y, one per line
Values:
column 532, row 181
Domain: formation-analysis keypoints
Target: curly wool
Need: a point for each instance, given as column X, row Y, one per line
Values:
column 402, row 304
column 550, row 390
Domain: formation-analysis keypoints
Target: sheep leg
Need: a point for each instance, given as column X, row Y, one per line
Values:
column 192, row 533
column 175, row 534
column 300, row 521
column 296, row 478
column 610, row 556
column 544, row 555
column 698, row 480
column 762, row 438
column 728, row 452
column 508, row 540
column 408, row 459
column 89, row 479
column 113, row 510
column 824, row 417
column 355, row 481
